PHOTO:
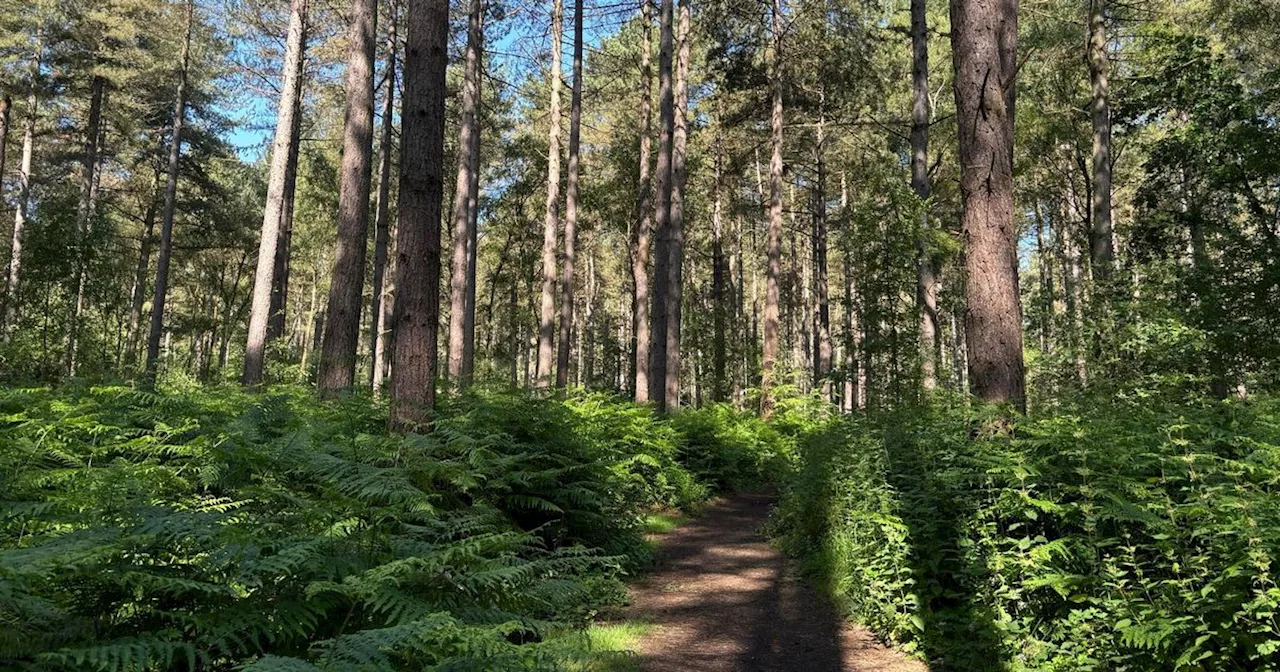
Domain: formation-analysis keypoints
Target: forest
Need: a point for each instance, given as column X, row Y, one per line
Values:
column 383, row 335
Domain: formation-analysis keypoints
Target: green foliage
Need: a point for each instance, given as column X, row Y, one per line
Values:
column 732, row 450
column 211, row 529
column 1107, row 535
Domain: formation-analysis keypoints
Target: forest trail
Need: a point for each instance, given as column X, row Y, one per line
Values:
column 722, row 599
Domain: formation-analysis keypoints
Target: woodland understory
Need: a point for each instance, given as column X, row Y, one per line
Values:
column 376, row 334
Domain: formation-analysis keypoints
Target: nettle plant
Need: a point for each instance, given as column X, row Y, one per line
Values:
column 1102, row 536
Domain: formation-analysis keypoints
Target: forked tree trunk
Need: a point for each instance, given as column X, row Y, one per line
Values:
column 380, row 318
column 1101, row 249
column 139, row 294
column 642, row 219
column 417, row 308
column 551, row 219
column 84, row 214
column 662, row 214
column 984, row 39
column 571, row 205
column 927, row 276
column 346, row 287
column 464, row 201
column 161, row 292
column 14, row 274
column 273, row 214
column 773, row 243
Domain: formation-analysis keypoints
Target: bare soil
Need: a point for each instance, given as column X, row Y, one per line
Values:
column 722, row 599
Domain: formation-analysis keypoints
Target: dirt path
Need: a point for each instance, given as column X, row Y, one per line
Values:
column 724, row 600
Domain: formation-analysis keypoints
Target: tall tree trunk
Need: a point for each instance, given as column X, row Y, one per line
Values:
column 464, row 201
column 773, row 244
column 1101, row 250
column 273, row 214
column 346, row 287
column 139, row 294
column 161, row 291
column 662, row 215
column 551, row 220
column 571, row 205
column 381, row 304
column 984, row 39
column 14, row 273
column 642, row 221
column 417, row 308
column 927, row 277
column 822, row 308
column 675, row 247
column 6, row 104
column 473, row 255
column 284, row 248
column 85, row 212
column 719, row 302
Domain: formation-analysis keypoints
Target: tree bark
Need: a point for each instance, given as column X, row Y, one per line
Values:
column 284, row 248
column 927, row 277
column 984, row 39
column 417, row 310
column 822, row 307
column 139, row 294
column 642, row 227
column 85, row 212
column 718, row 300
column 346, row 287
column 273, row 214
column 571, row 205
column 381, row 304
column 1101, row 248
column 14, row 273
column 6, row 104
column 675, row 246
column 464, row 201
column 170, row 201
column 662, row 214
column 773, row 243
column 551, row 220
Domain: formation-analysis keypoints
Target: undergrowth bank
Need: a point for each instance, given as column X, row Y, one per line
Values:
column 216, row 531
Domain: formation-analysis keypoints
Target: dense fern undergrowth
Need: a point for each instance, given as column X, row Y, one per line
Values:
column 209, row 529
column 1105, row 534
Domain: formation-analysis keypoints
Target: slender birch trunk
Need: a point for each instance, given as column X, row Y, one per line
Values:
column 20, row 214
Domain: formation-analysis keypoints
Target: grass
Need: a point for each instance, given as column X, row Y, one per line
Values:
column 622, row 637
column 662, row 522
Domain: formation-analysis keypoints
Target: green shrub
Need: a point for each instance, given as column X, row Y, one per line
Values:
column 732, row 450
column 212, row 530
column 1104, row 536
